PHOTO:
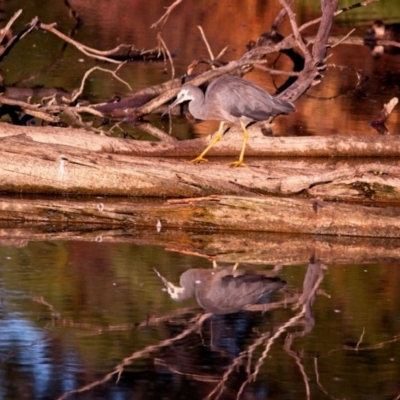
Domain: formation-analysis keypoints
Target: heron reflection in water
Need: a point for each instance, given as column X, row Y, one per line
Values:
column 382, row 31
column 234, row 100
column 223, row 290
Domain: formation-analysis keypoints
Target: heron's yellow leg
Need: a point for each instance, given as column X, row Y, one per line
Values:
column 245, row 139
column 215, row 139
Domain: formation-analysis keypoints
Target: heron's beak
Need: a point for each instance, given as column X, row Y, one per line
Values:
column 173, row 291
column 166, row 112
column 164, row 281
column 168, row 285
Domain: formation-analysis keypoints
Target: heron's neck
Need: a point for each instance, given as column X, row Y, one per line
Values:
column 379, row 32
column 196, row 105
column 180, row 293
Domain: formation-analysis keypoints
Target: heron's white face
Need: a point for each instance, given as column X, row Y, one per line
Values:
column 379, row 30
column 174, row 291
column 183, row 95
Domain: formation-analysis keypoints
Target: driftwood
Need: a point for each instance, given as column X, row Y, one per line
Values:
column 109, row 166
column 231, row 213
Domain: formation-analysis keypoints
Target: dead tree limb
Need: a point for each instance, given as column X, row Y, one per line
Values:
column 378, row 121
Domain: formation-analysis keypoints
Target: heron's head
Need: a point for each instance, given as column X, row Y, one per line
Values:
column 186, row 94
column 378, row 29
column 175, row 292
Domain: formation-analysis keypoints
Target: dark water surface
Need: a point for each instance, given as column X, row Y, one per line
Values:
column 89, row 319
column 354, row 88
column 93, row 317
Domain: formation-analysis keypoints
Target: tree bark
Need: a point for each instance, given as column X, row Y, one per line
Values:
column 217, row 213
column 106, row 166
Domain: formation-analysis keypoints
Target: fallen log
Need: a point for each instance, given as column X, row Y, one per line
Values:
column 258, row 145
column 28, row 166
column 216, row 213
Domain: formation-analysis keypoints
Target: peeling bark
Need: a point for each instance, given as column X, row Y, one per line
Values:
column 218, row 213
column 85, row 167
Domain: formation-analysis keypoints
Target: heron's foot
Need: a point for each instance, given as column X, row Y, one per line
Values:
column 198, row 160
column 238, row 163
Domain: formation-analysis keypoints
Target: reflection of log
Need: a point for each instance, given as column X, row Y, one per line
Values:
column 224, row 247
column 230, row 213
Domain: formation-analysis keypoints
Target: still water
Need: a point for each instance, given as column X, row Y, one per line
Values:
column 86, row 318
column 353, row 90
column 90, row 320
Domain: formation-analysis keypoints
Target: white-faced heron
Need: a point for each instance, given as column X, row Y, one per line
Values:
column 383, row 31
column 223, row 290
column 234, row 100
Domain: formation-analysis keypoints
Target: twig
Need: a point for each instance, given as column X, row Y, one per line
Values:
column 76, row 120
column 162, row 21
column 343, row 39
column 361, row 338
column 93, row 53
column 156, row 132
column 279, row 18
column 206, row 42
column 296, row 31
column 87, row 73
column 9, row 23
column 166, row 51
column 344, row 9
column 221, row 53
column 379, row 120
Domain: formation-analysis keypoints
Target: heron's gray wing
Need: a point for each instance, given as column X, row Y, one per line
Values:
column 231, row 293
column 240, row 98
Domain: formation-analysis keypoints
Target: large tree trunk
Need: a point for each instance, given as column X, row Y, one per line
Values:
column 86, row 164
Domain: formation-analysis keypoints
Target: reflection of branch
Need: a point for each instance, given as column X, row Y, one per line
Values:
column 292, row 322
column 318, row 381
column 191, row 375
column 361, row 338
column 138, row 354
column 41, row 300
column 246, row 354
column 287, row 346
column 359, row 79
column 312, row 281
